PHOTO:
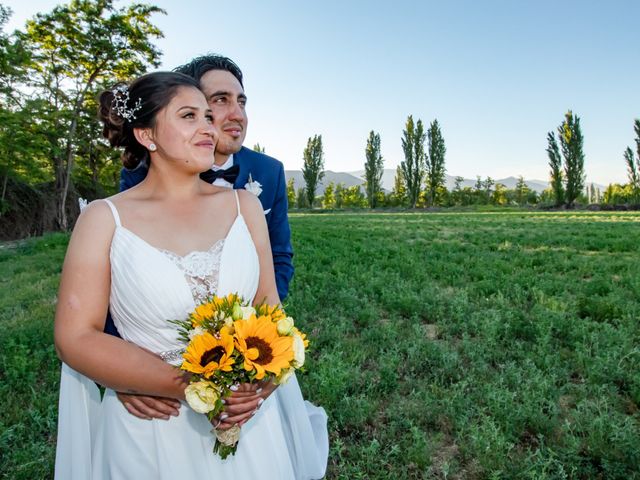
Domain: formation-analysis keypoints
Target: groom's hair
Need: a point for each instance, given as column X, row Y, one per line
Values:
column 197, row 67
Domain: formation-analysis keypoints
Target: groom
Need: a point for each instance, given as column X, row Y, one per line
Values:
column 234, row 166
column 237, row 166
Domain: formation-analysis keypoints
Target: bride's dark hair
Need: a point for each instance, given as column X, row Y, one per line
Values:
column 125, row 107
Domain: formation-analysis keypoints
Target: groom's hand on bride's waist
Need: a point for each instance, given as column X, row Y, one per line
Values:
column 147, row 407
column 243, row 404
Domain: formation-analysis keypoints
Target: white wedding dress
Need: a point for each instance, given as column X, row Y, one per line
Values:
column 99, row 440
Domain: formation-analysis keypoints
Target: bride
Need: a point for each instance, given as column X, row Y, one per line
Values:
column 149, row 255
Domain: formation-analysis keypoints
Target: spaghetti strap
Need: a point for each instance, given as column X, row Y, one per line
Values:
column 114, row 210
column 235, row 192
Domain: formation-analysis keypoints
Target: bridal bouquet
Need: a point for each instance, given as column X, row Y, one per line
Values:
column 229, row 343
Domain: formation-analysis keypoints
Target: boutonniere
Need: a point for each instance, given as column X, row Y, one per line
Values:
column 253, row 187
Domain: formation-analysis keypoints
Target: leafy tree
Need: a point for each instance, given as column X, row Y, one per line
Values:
column 373, row 168
column 97, row 169
column 499, row 194
column 291, row 193
column 302, row 200
column 258, row 148
column 434, row 162
column 339, row 194
column 488, row 186
column 633, row 168
column 555, row 163
column 399, row 191
column 16, row 150
column 414, row 159
column 74, row 48
column 521, row 191
column 571, row 141
column 616, row 194
column 313, row 169
column 329, row 198
column 456, row 194
column 353, row 197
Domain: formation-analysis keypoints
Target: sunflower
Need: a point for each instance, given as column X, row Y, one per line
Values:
column 202, row 313
column 263, row 349
column 207, row 354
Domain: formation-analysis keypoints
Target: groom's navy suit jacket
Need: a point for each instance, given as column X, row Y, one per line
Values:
column 269, row 172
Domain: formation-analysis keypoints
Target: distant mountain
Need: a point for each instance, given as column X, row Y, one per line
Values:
column 389, row 175
column 350, row 179
column 329, row 176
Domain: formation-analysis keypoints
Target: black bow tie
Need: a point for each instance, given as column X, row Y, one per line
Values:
column 230, row 174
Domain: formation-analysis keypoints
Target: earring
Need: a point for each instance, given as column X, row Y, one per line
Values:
column 152, row 147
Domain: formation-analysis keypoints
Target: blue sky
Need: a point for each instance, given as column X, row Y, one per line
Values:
column 497, row 74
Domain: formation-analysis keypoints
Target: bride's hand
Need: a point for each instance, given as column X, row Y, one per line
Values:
column 147, row 407
column 243, row 403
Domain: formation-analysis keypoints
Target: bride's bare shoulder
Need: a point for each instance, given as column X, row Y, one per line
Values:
column 251, row 209
column 94, row 226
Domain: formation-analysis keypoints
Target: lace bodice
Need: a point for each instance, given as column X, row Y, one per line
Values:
column 200, row 269
column 151, row 288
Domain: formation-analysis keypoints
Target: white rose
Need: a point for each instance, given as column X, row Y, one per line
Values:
column 298, row 351
column 285, row 326
column 201, row 396
column 247, row 312
column 195, row 332
column 285, row 375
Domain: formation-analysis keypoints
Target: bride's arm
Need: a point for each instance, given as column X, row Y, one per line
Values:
column 255, row 220
column 83, row 300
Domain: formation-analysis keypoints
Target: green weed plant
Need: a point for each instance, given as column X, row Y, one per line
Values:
column 445, row 345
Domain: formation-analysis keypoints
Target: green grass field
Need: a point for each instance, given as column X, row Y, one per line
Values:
column 448, row 345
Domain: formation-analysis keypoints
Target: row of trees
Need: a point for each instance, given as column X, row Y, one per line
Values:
column 484, row 192
column 567, row 170
column 420, row 177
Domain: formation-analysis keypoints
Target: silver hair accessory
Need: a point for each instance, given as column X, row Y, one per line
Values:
column 120, row 100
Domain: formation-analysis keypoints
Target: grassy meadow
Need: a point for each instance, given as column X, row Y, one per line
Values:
column 491, row 345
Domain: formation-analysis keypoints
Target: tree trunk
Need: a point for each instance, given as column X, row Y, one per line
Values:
column 4, row 186
column 4, row 190
column 61, row 216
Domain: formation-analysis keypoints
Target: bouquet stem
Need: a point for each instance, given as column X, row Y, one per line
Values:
column 226, row 441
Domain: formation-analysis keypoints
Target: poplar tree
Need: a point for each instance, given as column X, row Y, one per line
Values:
column 571, row 141
column 633, row 168
column 291, row 192
column 373, row 168
column 434, row 162
column 522, row 191
column 399, row 191
column 313, row 169
column 414, row 159
column 555, row 163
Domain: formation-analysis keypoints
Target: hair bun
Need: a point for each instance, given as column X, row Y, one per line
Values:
column 116, row 130
column 113, row 123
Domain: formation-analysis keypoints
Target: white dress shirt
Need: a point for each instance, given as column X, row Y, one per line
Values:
column 221, row 182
